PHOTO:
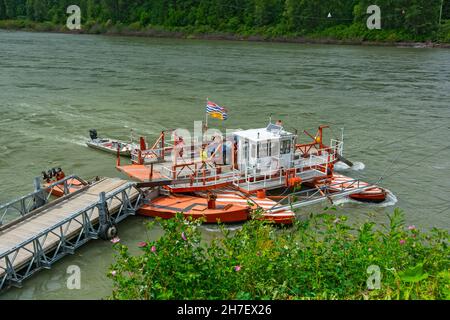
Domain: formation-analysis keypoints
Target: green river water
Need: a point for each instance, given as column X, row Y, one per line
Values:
column 394, row 104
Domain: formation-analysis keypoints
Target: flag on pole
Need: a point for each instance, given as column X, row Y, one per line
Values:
column 216, row 111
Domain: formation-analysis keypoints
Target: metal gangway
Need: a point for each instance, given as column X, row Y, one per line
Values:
column 36, row 232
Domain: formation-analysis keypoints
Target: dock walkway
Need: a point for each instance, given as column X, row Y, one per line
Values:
column 39, row 237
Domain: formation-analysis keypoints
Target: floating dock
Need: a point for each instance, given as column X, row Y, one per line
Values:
column 35, row 233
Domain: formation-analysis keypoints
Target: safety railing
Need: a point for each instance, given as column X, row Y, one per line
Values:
column 24, row 205
column 261, row 179
column 206, row 176
column 312, row 196
column 337, row 146
column 313, row 162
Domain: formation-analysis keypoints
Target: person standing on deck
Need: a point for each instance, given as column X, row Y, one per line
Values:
column 179, row 145
column 203, row 157
column 213, row 149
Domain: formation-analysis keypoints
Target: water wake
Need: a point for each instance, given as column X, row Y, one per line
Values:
column 357, row 166
column 390, row 201
column 79, row 140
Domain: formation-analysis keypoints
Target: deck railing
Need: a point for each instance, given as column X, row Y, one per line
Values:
column 24, row 205
column 312, row 196
column 201, row 177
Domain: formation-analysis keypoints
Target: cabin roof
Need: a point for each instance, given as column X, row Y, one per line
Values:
column 272, row 132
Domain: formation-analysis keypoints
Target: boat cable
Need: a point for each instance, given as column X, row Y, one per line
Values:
column 385, row 176
column 389, row 167
column 402, row 140
column 303, row 17
column 408, row 165
column 246, row 196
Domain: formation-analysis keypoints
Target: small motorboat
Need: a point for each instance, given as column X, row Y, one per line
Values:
column 111, row 145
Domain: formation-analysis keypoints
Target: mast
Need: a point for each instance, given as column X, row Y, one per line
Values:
column 206, row 115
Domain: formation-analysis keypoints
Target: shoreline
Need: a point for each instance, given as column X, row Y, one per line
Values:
column 167, row 34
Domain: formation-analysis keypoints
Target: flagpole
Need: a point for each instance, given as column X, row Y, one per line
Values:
column 205, row 126
column 206, row 114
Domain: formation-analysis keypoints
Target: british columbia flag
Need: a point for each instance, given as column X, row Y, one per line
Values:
column 216, row 111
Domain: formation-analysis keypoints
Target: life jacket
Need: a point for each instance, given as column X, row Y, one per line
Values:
column 204, row 155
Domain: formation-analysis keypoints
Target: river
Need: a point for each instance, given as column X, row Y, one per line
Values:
column 394, row 104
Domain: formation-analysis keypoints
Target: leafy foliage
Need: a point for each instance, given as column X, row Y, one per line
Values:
column 419, row 18
column 320, row 258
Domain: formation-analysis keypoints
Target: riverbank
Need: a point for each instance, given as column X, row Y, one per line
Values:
column 339, row 35
column 322, row 257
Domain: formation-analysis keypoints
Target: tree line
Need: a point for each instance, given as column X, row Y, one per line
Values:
column 419, row 17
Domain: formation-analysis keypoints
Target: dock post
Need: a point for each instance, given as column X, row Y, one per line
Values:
column 39, row 198
column 107, row 229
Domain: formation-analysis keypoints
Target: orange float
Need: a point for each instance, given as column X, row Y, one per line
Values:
column 340, row 182
column 58, row 190
column 167, row 207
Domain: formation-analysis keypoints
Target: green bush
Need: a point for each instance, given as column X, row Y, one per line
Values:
column 45, row 26
column 444, row 32
column 16, row 24
column 321, row 258
column 135, row 26
column 96, row 28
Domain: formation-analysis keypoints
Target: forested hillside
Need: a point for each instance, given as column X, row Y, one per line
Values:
column 410, row 19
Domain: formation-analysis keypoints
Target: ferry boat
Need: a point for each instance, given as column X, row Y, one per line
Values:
column 229, row 179
column 111, row 145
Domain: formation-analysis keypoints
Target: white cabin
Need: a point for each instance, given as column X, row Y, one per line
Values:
column 265, row 149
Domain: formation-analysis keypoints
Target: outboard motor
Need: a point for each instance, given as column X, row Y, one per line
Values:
column 93, row 134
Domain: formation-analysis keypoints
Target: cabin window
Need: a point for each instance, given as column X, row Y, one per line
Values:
column 275, row 148
column 285, row 146
column 253, row 151
column 263, row 150
column 246, row 150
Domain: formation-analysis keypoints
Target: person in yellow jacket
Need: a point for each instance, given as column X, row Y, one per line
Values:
column 203, row 157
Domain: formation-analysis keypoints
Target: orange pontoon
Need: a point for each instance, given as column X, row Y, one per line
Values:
column 224, row 207
column 167, row 207
column 338, row 183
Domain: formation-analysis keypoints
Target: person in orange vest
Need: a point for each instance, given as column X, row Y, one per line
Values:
column 60, row 175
